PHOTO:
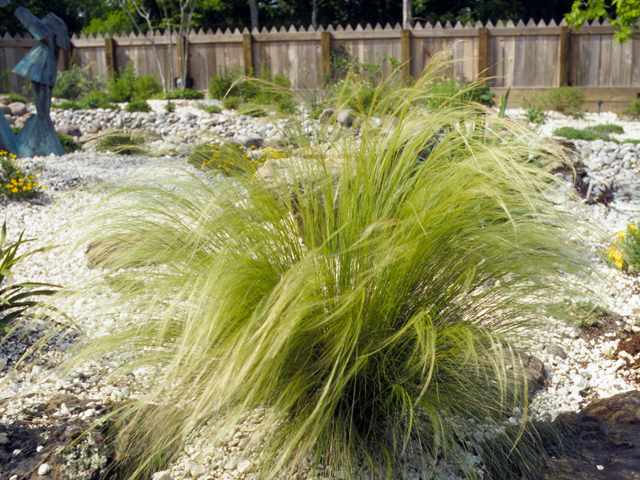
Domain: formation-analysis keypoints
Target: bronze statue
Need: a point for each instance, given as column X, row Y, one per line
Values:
column 40, row 65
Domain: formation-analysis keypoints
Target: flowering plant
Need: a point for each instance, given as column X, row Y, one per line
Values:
column 233, row 159
column 14, row 180
column 625, row 252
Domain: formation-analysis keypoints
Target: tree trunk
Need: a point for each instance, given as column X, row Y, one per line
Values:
column 407, row 17
column 253, row 7
column 314, row 14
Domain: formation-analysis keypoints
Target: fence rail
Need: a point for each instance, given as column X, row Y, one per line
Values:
column 521, row 56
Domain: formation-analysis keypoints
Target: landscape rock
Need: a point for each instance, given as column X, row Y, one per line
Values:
column 18, row 108
column 5, row 99
column 71, row 130
column 328, row 115
column 5, row 109
column 346, row 118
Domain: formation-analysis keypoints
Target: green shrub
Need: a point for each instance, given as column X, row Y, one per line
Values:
column 169, row 107
column 220, row 84
column 360, row 316
column 565, row 100
column 231, row 103
column 145, row 87
column 184, row 94
column 591, row 133
column 4, row 81
column 15, row 181
column 210, row 108
column 579, row 314
column 128, row 87
column 97, row 99
column 75, row 83
column 535, row 115
column 68, row 143
column 17, row 98
column 17, row 298
column 624, row 254
column 633, row 108
column 138, row 106
column 68, row 105
column 124, row 144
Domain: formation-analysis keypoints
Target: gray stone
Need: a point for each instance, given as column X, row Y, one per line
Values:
column 327, row 116
column 346, row 118
column 556, row 350
column 18, row 109
column 248, row 142
column 5, row 109
column 5, row 99
column 4, row 439
column 70, row 130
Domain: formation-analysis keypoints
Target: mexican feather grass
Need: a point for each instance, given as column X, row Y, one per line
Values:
column 364, row 311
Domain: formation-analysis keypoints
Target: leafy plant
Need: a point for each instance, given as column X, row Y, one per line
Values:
column 74, row 83
column 579, row 314
column 633, row 108
column 565, row 99
column 231, row 103
column 121, row 143
column 17, row 98
column 361, row 304
column 624, row 254
column 182, row 94
column 535, row 115
column 138, row 106
column 169, row 107
column 591, row 133
column 210, row 108
column 220, row 85
column 4, row 81
column 68, row 143
column 232, row 159
column 17, row 298
column 14, row 180
column 129, row 87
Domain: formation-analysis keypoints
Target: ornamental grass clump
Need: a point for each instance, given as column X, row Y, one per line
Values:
column 363, row 307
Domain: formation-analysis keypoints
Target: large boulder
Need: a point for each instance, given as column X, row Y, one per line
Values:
column 18, row 108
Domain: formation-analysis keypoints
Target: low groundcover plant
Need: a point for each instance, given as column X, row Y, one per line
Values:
column 364, row 309
column 624, row 254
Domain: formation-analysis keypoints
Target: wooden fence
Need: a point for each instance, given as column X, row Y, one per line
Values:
column 522, row 56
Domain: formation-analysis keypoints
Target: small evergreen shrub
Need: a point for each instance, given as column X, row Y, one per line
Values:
column 146, row 87
column 138, row 106
column 565, row 100
column 220, row 84
column 15, row 181
column 128, row 87
column 17, row 98
column 183, row 94
column 232, row 159
column 535, row 115
column 591, row 133
column 75, row 83
column 169, row 107
column 68, row 143
column 231, row 103
column 633, row 108
column 210, row 108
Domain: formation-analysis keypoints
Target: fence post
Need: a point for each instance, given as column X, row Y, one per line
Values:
column 405, row 52
column 563, row 57
column 110, row 56
column 248, row 53
column 483, row 43
column 325, row 55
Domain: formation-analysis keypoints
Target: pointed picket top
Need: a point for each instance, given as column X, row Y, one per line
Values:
column 468, row 25
column 339, row 28
column 388, row 26
column 438, row 25
column 282, row 29
column 458, row 25
column 378, row 27
column 359, row 28
column 227, row 31
column 397, row 26
column 82, row 36
column 320, row 29
column 541, row 23
column 245, row 30
column 348, row 28
column 563, row 23
column 209, row 32
column 218, row 32
column 489, row 24
column 304, row 30
column 530, row 23
column 237, row 31
column 418, row 26
column 368, row 27
column 448, row 24
column 552, row 23
column 520, row 23
column 606, row 23
column 92, row 36
column 509, row 23
column 292, row 29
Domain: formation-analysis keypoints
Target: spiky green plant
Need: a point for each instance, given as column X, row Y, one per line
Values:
column 362, row 306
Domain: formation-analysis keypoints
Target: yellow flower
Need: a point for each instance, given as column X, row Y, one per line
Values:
column 622, row 235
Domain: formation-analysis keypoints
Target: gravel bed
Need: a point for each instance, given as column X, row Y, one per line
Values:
column 580, row 369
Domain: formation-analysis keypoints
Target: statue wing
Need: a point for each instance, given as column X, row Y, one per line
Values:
column 59, row 28
column 33, row 24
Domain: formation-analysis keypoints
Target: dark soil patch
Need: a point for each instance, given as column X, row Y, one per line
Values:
column 67, row 443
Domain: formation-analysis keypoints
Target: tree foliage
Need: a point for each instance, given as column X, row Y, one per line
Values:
column 623, row 15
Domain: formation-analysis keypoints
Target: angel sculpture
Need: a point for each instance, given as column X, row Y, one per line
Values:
column 40, row 65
